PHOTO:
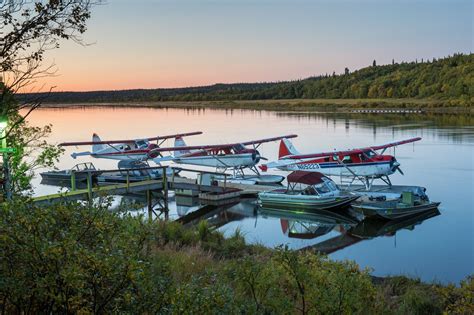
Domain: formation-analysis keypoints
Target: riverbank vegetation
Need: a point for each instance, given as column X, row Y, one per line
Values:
column 446, row 82
column 73, row 258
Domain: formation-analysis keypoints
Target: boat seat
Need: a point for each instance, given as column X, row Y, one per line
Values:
column 408, row 198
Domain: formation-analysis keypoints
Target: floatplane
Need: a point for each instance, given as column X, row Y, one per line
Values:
column 232, row 156
column 363, row 164
column 131, row 149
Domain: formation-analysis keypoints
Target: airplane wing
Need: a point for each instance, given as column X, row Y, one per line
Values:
column 394, row 144
column 349, row 152
column 79, row 143
column 269, row 140
column 187, row 134
column 219, row 146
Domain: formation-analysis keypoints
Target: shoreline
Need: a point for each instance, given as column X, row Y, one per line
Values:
column 296, row 105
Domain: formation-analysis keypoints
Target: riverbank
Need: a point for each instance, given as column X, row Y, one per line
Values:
column 88, row 259
column 300, row 105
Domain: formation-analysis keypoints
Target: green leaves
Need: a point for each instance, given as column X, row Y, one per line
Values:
column 32, row 152
column 68, row 257
column 76, row 258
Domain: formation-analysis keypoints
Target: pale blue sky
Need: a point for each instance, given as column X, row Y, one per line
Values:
column 148, row 44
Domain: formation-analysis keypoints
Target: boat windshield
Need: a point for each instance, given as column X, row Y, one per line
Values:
column 327, row 187
column 322, row 188
column 331, row 185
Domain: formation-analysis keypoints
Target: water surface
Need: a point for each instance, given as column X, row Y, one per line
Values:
column 438, row 247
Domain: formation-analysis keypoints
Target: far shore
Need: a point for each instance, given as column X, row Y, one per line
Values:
column 305, row 105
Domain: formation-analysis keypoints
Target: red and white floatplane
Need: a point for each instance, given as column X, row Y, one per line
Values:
column 362, row 164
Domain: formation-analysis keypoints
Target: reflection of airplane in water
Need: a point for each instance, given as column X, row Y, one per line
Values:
column 309, row 225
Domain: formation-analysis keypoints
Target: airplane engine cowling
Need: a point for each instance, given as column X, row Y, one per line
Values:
column 256, row 156
column 152, row 146
column 151, row 153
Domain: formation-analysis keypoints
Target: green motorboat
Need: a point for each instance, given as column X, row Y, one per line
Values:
column 400, row 208
column 307, row 190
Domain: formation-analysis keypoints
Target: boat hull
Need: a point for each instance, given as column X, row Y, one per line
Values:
column 119, row 177
column 62, row 176
column 392, row 211
column 279, row 200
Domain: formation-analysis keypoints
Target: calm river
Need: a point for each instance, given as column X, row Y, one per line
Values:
column 437, row 247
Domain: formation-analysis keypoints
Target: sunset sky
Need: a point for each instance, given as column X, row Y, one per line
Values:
column 174, row 43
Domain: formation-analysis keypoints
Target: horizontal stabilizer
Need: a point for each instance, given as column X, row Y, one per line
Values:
column 75, row 155
column 278, row 164
column 165, row 159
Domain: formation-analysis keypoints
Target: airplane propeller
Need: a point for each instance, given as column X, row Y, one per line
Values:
column 400, row 170
column 396, row 166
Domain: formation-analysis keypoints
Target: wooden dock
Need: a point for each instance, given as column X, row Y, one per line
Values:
column 156, row 190
column 100, row 191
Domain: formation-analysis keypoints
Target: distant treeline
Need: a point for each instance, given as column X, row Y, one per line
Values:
column 444, row 79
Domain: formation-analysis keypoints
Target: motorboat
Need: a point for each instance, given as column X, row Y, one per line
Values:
column 134, row 171
column 80, row 171
column 403, row 207
column 307, row 190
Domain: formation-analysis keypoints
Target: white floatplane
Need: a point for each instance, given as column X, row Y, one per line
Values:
column 232, row 156
column 134, row 149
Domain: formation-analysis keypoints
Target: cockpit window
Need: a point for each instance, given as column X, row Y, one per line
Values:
column 369, row 153
column 141, row 143
column 238, row 147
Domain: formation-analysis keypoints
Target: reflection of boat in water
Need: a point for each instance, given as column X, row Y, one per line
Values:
column 308, row 225
column 370, row 228
column 396, row 209
column 373, row 227
column 80, row 170
column 320, row 192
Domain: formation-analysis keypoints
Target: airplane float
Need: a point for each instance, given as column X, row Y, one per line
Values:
column 234, row 156
column 364, row 164
column 137, row 149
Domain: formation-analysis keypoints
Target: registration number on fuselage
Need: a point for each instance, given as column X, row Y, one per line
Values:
column 307, row 166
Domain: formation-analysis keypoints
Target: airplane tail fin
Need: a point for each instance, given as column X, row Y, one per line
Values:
column 96, row 147
column 286, row 148
column 179, row 142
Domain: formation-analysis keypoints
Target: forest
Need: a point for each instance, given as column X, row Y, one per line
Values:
column 450, row 78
